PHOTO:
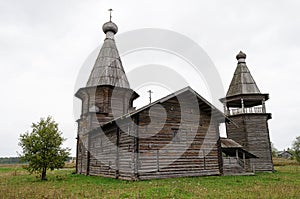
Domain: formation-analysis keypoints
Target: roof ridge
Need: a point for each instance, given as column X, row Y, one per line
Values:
column 163, row 99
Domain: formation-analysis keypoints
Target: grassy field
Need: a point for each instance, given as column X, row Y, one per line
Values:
column 16, row 183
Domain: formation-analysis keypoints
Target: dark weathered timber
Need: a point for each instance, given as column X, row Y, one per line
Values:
column 158, row 161
column 115, row 140
column 100, row 104
column 253, row 134
column 245, row 107
column 118, row 154
column 134, row 148
column 220, row 158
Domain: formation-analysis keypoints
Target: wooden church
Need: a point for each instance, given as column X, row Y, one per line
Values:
column 175, row 136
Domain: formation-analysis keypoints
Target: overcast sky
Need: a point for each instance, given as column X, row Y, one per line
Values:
column 43, row 45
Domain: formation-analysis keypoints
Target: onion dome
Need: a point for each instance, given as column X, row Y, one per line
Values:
column 110, row 27
column 241, row 57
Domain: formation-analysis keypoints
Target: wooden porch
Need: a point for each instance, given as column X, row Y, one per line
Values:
column 236, row 159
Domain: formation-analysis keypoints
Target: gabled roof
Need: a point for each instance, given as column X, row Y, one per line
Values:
column 214, row 110
column 242, row 81
column 108, row 68
column 284, row 152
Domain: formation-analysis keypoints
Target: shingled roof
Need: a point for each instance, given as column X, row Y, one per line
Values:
column 242, row 81
column 108, row 68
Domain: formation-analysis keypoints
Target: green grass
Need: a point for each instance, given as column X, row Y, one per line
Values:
column 15, row 182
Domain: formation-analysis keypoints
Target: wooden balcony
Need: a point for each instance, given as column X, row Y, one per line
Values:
column 237, row 111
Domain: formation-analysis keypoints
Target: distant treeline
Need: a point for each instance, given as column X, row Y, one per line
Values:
column 10, row 160
column 16, row 160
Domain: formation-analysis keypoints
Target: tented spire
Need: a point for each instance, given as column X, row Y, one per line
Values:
column 242, row 81
column 108, row 68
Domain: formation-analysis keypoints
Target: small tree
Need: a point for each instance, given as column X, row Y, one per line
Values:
column 296, row 148
column 42, row 147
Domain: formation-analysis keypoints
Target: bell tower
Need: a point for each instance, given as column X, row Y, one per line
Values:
column 106, row 96
column 244, row 105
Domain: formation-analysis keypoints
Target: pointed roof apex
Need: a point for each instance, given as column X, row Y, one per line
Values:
column 242, row 81
column 241, row 57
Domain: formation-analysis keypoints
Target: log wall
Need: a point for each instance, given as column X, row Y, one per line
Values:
column 161, row 141
column 100, row 105
column 192, row 152
column 82, row 156
column 252, row 132
column 112, row 151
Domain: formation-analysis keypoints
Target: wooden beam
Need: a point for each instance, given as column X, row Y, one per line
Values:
column 244, row 159
column 117, row 153
column 204, row 160
column 136, row 148
column 157, row 159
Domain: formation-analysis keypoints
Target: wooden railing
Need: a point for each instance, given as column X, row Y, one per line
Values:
column 245, row 110
column 233, row 161
column 241, row 162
